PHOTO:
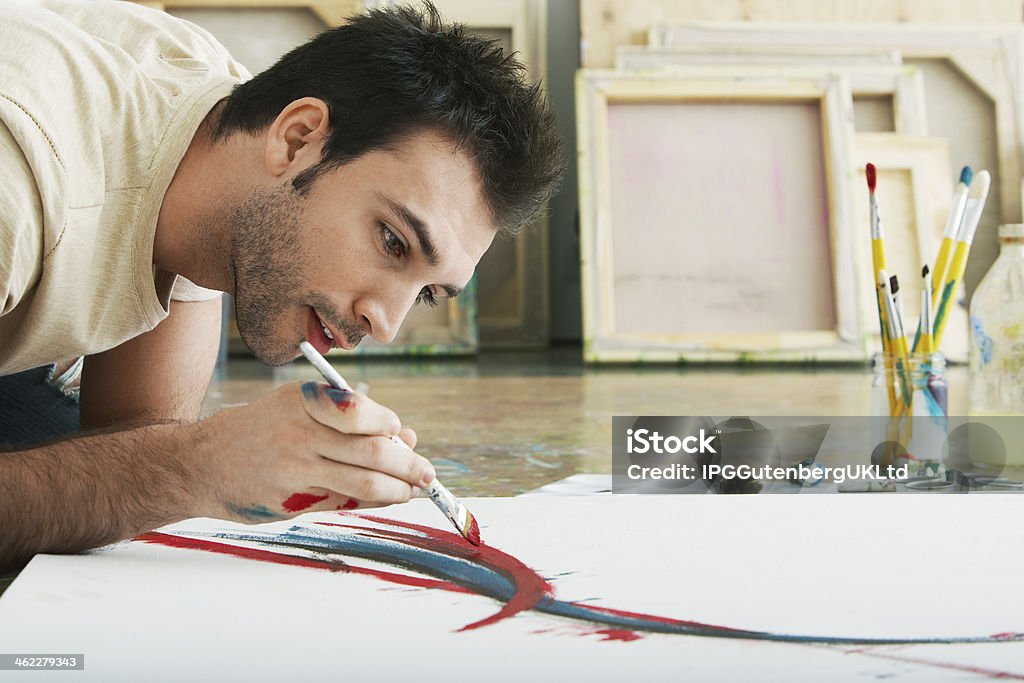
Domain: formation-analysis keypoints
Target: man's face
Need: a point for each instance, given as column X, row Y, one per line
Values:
column 367, row 242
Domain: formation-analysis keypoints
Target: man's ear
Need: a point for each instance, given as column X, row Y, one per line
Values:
column 295, row 139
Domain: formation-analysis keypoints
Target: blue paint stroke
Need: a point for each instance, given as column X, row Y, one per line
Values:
column 490, row 582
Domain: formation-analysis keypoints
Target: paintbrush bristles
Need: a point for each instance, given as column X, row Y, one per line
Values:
column 455, row 511
column 872, row 175
column 474, row 532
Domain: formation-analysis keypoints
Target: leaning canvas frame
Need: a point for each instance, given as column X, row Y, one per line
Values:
column 926, row 162
column 904, row 84
column 989, row 57
column 512, row 277
column 595, row 91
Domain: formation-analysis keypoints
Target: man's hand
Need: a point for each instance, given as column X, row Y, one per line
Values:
column 301, row 447
column 309, row 447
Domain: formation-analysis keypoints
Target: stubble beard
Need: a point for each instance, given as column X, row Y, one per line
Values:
column 266, row 255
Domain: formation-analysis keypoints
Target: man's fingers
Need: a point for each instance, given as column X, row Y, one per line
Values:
column 408, row 436
column 375, row 453
column 348, row 412
column 369, row 487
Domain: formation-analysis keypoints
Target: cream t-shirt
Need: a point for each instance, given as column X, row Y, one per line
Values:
column 98, row 103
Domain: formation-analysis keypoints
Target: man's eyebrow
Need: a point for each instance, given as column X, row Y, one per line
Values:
column 414, row 223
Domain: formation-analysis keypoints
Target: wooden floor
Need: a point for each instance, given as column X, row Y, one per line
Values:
column 507, row 423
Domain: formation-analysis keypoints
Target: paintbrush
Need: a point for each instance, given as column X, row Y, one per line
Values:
column 878, row 265
column 942, row 299
column 877, row 250
column 899, row 338
column 895, row 330
column 453, row 509
column 953, row 220
column 924, row 328
column 956, row 214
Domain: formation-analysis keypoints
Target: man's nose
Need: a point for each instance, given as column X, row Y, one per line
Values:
column 386, row 317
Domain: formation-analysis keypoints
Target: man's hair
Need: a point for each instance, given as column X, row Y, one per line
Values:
column 391, row 73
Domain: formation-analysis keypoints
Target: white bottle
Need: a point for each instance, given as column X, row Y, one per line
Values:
column 997, row 331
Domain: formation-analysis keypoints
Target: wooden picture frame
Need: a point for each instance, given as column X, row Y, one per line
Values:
column 973, row 84
column 605, row 24
column 873, row 77
column 613, row 332
column 512, row 277
column 915, row 185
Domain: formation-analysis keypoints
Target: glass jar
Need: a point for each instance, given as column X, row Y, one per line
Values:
column 909, row 406
column 996, row 356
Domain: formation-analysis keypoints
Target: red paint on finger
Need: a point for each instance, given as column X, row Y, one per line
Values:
column 301, row 501
column 341, row 398
column 352, row 504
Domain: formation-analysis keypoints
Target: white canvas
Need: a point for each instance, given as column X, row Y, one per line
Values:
column 875, row 566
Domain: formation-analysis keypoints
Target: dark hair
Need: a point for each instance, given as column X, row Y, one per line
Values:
column 390, row 73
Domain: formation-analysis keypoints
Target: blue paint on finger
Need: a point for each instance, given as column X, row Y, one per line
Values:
column 311, row 390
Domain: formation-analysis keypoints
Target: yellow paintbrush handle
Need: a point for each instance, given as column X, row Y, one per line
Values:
column 878, row 255
column 953, row 277
column 941, row 261
column 926, row 343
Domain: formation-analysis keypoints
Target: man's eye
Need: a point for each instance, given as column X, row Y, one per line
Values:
column 427, row 297
column 393, row 244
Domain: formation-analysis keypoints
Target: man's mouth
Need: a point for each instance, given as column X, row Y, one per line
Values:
column 324, row 337
column 320, row 335
column 327, row 332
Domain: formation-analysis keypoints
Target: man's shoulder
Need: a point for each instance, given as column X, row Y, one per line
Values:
column 140, row 32
column 82, row 79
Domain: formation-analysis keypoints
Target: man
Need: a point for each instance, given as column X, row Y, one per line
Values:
column 142, row 174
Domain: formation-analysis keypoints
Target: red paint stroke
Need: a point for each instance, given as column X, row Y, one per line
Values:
column 301, row 501
column 293, row 560
column 530, row 586
column 952, row 666
column 625, row 635
column 529, row 589
column 240, row 551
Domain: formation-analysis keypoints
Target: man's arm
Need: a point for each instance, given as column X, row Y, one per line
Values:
column 86, row 492
column 244, row 463
column 159, row 376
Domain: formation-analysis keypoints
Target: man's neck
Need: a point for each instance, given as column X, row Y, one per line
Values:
column 193, row 235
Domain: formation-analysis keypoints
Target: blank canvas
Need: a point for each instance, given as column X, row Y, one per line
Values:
column 703, row 201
